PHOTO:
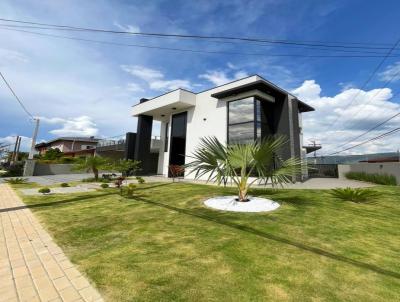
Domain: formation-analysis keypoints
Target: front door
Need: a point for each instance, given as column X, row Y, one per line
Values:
column 178, row 139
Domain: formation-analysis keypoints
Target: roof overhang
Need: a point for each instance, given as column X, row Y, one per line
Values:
column 264, row 89
column 310, row 149
column 249, row 93
column 303, row 107
column 164, row 105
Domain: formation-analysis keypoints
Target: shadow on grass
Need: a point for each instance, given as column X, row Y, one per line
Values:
column 139, row 188
column 77, row 198
column 268, row 236
column 55, row 203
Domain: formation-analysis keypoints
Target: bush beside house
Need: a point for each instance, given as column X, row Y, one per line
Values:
column 381, row 179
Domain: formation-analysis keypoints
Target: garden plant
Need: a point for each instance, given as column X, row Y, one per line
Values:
column 44, row 190
column 240, row 162
column 17, row 180
column 93, row 164
column 356, row 195
column 104, row 185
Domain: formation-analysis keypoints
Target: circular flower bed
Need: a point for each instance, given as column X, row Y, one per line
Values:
column 230, row 203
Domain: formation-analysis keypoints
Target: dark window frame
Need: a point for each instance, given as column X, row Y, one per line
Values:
column 254, row 121
column 262, row 122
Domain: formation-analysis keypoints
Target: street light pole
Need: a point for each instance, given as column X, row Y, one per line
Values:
column 34, row 136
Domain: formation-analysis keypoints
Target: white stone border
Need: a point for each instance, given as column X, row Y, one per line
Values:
column 229, row 203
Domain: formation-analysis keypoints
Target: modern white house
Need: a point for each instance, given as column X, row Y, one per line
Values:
column 237, row 112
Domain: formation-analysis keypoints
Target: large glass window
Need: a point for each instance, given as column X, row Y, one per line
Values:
column 241, row 111
column 247, row 121
column 241, row 133
column 241, row 121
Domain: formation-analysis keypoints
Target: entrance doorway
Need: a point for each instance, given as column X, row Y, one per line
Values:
column 178, row 139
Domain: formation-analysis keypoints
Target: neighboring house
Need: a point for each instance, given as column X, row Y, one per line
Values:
column 237, row 112
column 70, row 146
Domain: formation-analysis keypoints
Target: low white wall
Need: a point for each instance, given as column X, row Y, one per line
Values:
column 371, row 168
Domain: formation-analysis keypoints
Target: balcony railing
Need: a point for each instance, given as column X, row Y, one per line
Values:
column 119, row 144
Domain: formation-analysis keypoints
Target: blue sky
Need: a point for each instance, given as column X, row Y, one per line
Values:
column 81, row 88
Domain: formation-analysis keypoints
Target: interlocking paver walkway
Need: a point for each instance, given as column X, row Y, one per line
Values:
column 32, row 266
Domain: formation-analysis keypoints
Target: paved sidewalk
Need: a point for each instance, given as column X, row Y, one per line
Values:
column 32, row 266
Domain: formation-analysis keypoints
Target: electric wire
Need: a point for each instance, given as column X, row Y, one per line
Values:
column 367, row 141
column 15, row 96
column 196, row 50
column 232, row 38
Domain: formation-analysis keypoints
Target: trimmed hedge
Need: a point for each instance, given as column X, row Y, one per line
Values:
column 381, row 179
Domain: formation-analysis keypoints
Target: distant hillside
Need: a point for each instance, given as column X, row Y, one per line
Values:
column 348, row 159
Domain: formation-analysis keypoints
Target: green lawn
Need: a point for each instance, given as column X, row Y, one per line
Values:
column 164, row 245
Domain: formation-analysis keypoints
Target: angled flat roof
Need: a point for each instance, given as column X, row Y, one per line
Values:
column 172, row 99
column 261, row 85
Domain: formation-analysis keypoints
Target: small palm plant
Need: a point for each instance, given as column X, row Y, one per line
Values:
column 17, row 180
column 357, row 195
column 93, row 164
column 240, row 162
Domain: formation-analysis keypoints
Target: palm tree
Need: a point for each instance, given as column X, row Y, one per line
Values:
column 240, row 162
column 93, row 164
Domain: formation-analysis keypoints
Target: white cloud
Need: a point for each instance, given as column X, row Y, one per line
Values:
column 155, row 79
column 391, row 73
column 12, row 56
column 346, row 115
column 220, row 77
column 133, row 87
column 231, row 65
column 128, row 27
column 10, row 140
column 170, row 84
column 78, row 126
column 309, row 90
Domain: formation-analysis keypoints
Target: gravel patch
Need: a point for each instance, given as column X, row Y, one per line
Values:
column 254, row 205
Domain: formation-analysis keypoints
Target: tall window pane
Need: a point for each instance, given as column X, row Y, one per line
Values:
column 241, row 133
column 241, row 111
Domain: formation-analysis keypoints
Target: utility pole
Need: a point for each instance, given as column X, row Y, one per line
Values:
column 314, row 143
column 34, row 136
column 15, row 150
column 18, row 146
column 29, row 168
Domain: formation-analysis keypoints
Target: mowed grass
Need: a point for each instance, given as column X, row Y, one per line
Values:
column 164, row 245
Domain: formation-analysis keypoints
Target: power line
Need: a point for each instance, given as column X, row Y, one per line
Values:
column 15, row 95
column 372, row 75
column 373, row 127
column 377, row 93
column 212, row 41
column 369, row 130
column 367, row 141
column 195, row 50
column 232, row 38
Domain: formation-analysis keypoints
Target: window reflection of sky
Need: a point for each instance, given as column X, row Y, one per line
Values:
column 241, row 111
column 241, row 133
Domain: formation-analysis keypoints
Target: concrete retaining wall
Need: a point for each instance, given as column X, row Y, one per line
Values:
column 54, row 169
column 371, row 168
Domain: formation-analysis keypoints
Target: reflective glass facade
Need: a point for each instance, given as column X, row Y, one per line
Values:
column 247, row 120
